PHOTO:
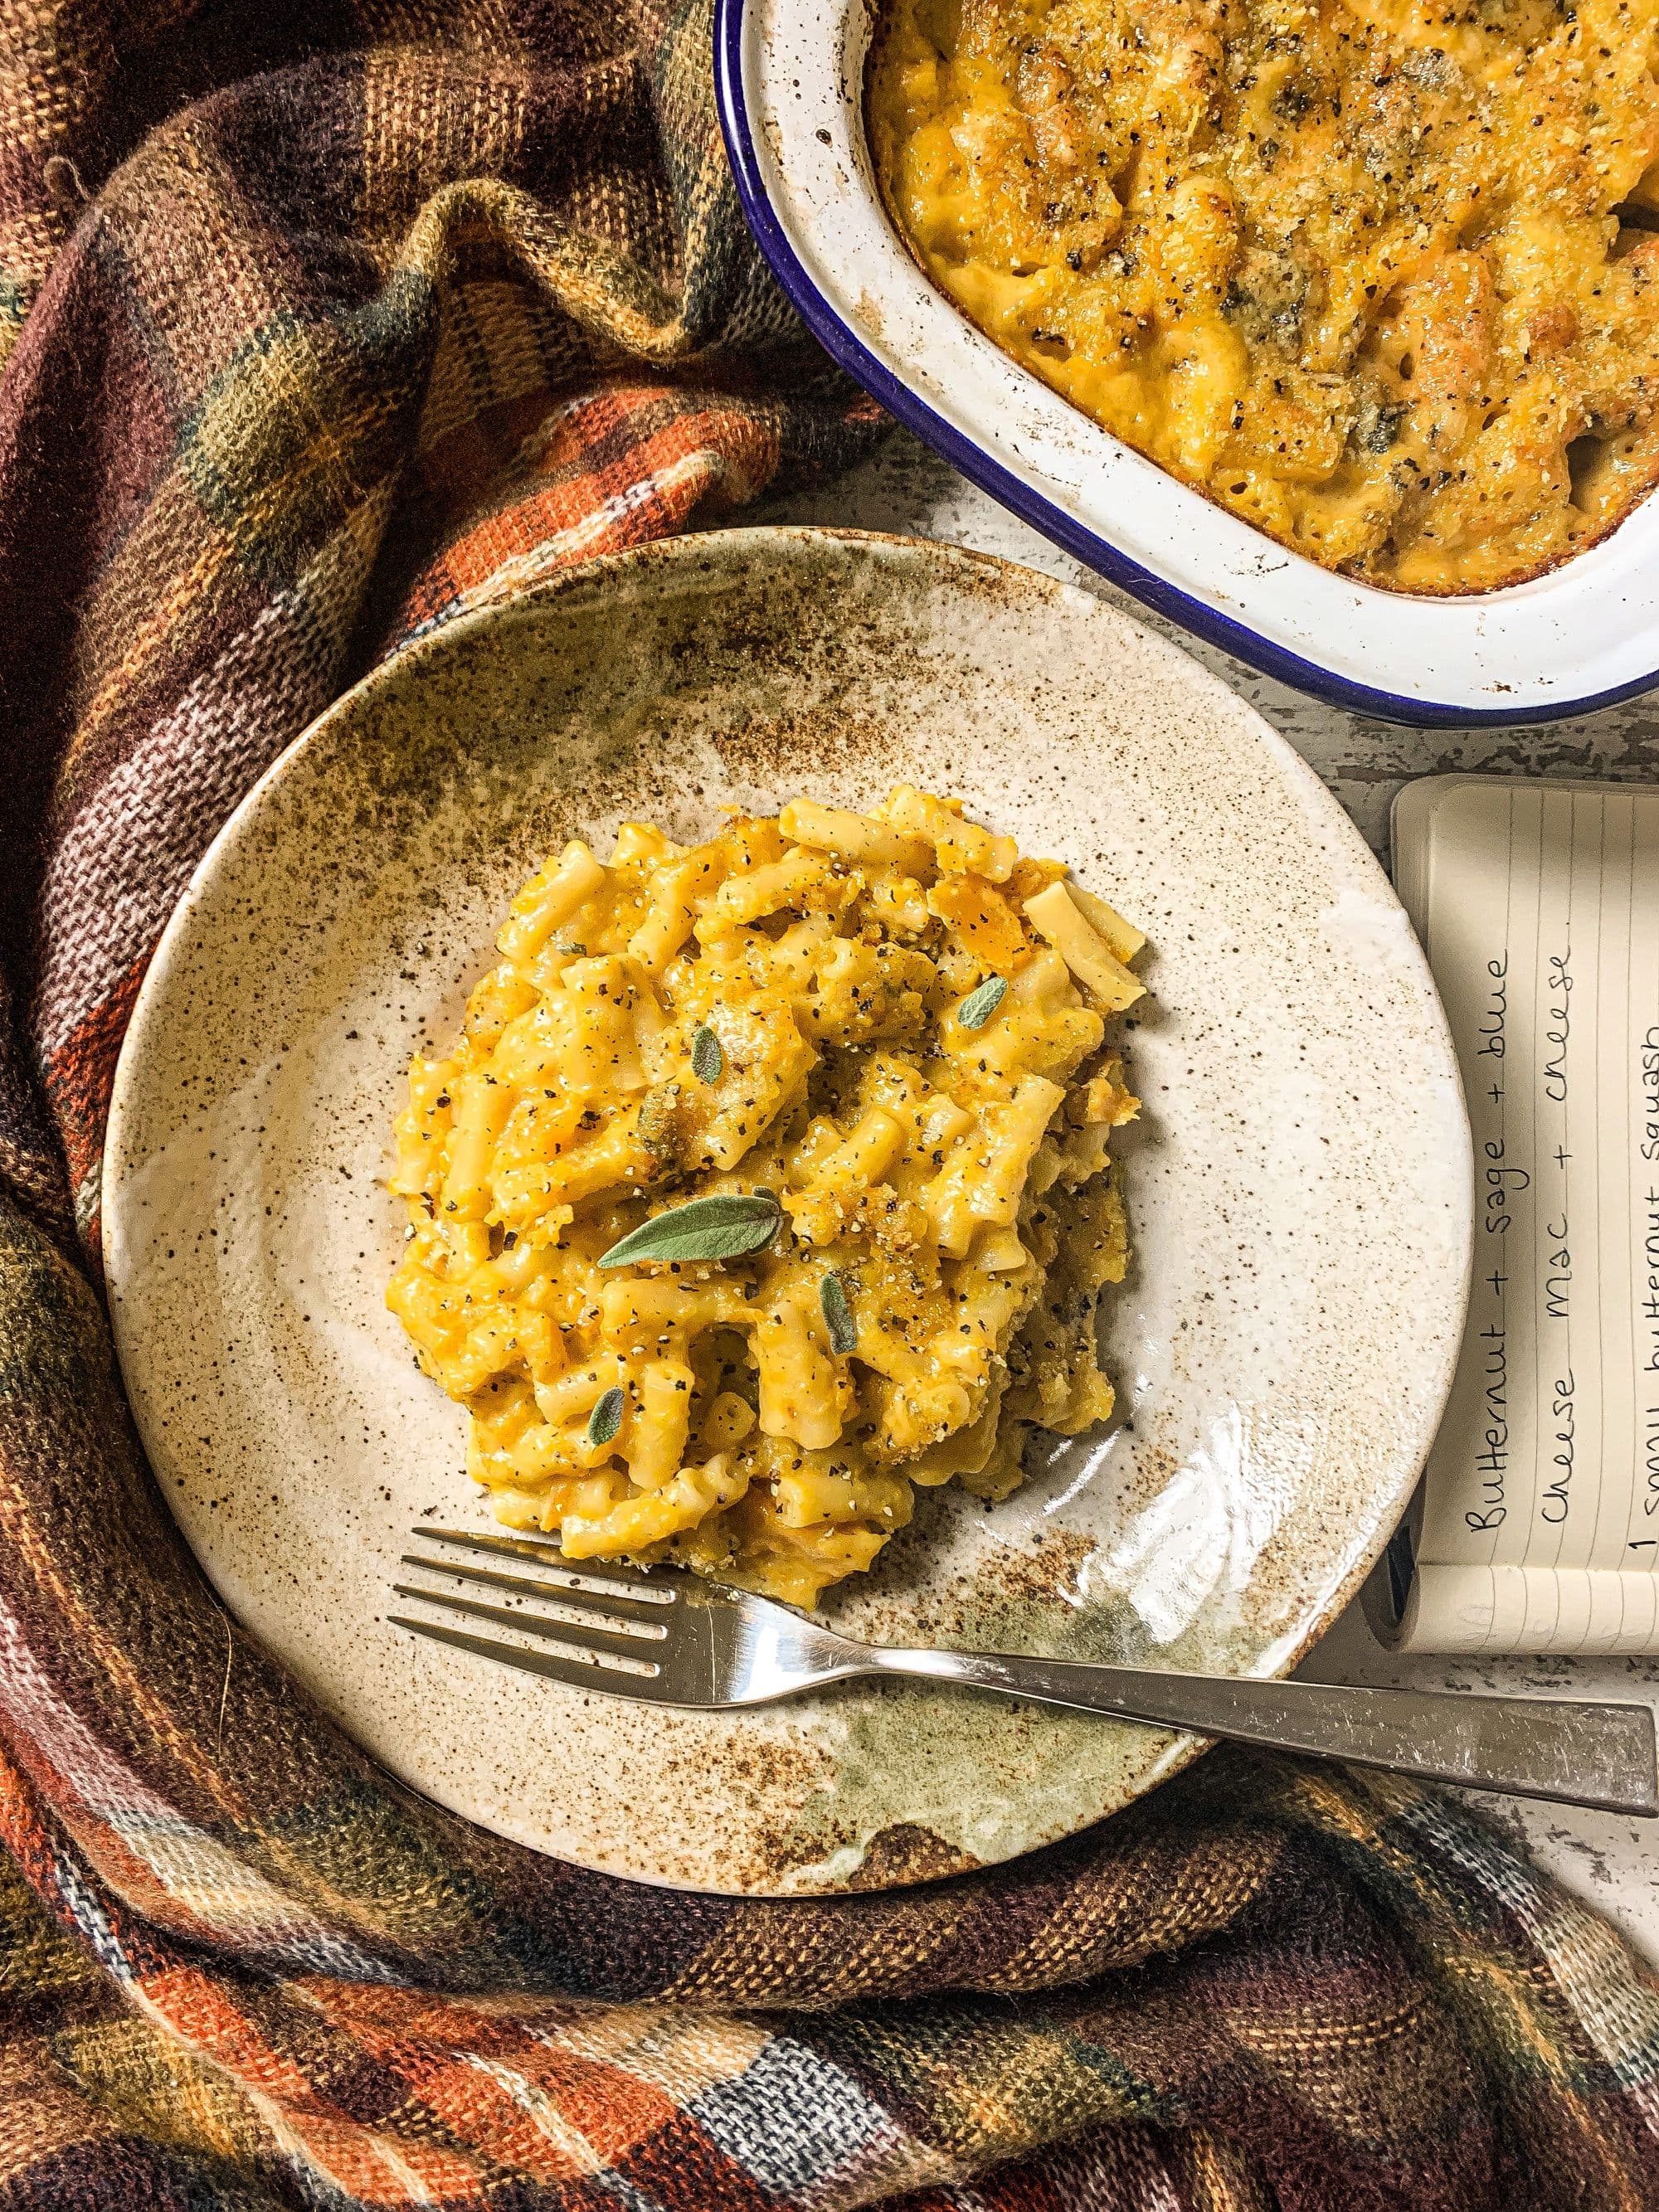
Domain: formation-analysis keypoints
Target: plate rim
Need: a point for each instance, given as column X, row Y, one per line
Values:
column 685, row 548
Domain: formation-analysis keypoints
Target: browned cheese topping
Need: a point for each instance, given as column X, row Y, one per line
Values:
column 1379, row 279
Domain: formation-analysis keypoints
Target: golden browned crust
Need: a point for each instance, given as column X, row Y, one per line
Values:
column 1380, row 281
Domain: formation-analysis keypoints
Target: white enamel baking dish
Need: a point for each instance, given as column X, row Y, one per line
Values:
column 791, row 77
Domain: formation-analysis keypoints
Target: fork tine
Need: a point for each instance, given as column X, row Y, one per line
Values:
column 578, row 1598
column 579, row 1634
column 577, row 1673
column 616, row 1580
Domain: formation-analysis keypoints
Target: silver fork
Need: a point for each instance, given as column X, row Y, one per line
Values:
column 673, row 1639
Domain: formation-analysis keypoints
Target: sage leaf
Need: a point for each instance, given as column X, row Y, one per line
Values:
column 708, row 1060
column 720, row 1227
column 837, row 1313
column 605, row 1419
column 977, row 1008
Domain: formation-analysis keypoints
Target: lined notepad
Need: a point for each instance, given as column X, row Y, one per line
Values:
column 1537, row 1527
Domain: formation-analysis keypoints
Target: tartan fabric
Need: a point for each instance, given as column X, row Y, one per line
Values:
column 322, row 326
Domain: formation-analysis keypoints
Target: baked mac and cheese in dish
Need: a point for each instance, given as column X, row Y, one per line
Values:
column 1378, row 277
column 767, row 1179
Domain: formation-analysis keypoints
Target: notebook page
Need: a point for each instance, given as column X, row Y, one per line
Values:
column 1538, row 904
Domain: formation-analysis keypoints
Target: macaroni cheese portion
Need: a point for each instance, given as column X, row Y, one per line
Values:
column 1379, row 275
column 838, row 1087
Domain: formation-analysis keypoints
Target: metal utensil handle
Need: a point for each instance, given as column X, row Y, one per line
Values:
column 1578, row 1751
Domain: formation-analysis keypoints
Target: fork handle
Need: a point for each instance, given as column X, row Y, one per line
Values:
column 1575, row 1750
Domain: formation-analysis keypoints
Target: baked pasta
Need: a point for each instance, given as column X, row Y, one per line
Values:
column 1377, row 277
column 767, row 1179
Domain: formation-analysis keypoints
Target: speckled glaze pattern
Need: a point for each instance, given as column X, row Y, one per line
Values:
column 1298, row 1186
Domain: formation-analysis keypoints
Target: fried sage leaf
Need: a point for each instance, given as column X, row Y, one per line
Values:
column 837, row 1313
column 977, row 1008
column 720, row 1227
column 605, row 1419
column 707, row 1059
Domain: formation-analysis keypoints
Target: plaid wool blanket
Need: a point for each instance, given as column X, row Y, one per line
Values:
column 323, row 324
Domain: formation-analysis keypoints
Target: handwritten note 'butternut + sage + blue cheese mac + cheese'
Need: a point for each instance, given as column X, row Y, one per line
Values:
column 1539, row 905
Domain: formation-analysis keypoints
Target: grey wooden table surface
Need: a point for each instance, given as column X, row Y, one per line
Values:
column 908, row 490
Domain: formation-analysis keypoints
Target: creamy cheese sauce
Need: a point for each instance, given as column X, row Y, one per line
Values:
column 1380, row 280
column 881, row 1039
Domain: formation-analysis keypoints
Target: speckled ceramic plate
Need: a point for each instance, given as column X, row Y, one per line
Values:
column 1299, row 1187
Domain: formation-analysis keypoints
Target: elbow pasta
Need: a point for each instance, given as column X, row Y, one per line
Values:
column 1383, row 281
column 947, row 1212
